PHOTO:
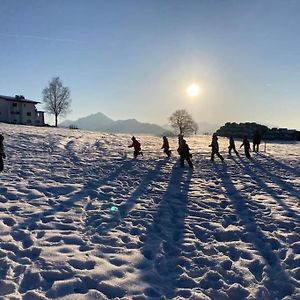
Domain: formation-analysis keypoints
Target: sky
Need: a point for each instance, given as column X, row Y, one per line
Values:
column 135, row 58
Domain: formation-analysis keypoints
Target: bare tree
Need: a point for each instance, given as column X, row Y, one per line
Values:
column 183, row 122
column 57, row 98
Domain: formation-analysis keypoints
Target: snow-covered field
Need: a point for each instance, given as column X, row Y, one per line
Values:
column 80, row 219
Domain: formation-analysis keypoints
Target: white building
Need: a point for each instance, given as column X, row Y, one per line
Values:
column 18, row 110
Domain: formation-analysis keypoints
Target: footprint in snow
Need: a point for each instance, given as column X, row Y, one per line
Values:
column 82, row 265
column 9, row 221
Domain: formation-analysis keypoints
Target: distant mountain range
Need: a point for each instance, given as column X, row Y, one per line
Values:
column 100, row 122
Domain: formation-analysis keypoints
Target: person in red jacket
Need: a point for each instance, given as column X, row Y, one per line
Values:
column 166, row 146
column 136, row 146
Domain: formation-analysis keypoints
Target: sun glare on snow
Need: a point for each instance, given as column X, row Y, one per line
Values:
column 193, row 90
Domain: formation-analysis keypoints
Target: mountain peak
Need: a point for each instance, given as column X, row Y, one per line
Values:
column 100, row 122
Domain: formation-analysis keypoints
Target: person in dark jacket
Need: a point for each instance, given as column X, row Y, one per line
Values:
column 180, row 138
column 232, row 146
column 215, row 148
column 2, row 153
column 136, row 146
column 184, row 152
column 247, row 147
column 166, row 146
column 256, row 141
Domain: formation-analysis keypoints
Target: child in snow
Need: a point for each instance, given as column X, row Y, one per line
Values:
column 232, row 146
column 136, row 146
column 2, row 154
column 165, row 146
column 246, row 145
column 184, row 152
column 215, row 148
column 256, row 141
column 180, row 138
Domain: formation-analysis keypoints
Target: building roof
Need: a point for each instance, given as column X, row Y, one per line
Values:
column 18, row 98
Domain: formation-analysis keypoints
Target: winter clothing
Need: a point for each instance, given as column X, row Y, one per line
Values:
column 247, row 147
column 215, row 148
column 180, row 139
column 256, row 141
column 136, row 146
column 166, row 147
column 184, row 152
column 2, row 153
column 232, row 146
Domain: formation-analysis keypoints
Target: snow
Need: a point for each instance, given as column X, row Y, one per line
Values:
column 80, row 219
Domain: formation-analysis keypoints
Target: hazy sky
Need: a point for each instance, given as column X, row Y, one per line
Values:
column 134, row 59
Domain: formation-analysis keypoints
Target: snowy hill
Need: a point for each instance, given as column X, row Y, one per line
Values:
column 80, row 219
column 100, row 122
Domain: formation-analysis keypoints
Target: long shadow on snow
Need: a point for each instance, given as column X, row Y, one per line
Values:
column 269, row 190
column 163, row 239
column 278, row 282
column 31, row 223
column 286, row 186
column 71, row 154
column 88, row 190
column 280, row 165
column 104, row 224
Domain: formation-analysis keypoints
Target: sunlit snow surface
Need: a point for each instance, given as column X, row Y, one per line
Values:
column 80, row 219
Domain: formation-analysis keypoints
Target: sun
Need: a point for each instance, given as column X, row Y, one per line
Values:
column 193, row 90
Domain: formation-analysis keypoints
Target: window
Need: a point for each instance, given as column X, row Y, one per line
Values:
column 15, row 104
column 29, row 114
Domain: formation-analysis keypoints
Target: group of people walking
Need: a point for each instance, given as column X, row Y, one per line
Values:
column 184, row 150
column 246, row 144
